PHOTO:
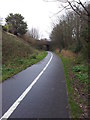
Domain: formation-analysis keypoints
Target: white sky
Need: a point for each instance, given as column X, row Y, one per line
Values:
column 37, row 13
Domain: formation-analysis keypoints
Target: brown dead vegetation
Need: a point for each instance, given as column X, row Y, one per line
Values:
column 68, row 53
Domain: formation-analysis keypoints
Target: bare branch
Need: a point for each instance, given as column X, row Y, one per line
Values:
column 73, row 8
column 84, row 8
column 75, row 5
column 65, row 7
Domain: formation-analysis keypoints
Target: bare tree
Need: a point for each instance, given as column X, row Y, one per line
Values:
column 76, row 5
column 34, row 33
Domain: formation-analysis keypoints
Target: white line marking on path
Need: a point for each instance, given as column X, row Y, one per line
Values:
column 18, row 101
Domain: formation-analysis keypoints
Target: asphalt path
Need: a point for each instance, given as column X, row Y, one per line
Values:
column 46, row 96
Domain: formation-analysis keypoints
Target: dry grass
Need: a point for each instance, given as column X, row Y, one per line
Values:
column 17, row 55
column 68, row 53
column 13, row 47
column 76, row 72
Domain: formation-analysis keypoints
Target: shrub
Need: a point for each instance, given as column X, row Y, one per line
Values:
column 5, row 28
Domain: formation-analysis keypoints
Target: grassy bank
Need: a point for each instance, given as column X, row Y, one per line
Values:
column 17, row 55
column 19, row 64
column 76, row 73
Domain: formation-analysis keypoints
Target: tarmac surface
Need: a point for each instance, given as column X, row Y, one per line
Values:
column 48, row 96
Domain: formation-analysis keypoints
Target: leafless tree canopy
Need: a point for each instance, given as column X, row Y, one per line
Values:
column 76, row 5
column 34, row 33
column 71, row 31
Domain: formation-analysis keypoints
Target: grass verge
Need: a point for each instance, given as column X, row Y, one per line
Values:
column 18, row 64
column 17, row 55
column 77, row 86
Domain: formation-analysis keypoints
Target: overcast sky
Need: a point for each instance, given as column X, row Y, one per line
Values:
column 37, row 13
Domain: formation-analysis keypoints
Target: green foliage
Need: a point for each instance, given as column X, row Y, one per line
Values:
column 33, row 56
column 79, row 68
column 81, row 73
column 17, row 24
column 17, row 55
column 5, row 28
column 75, row 110
column 19, row 64
column 83, row 77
